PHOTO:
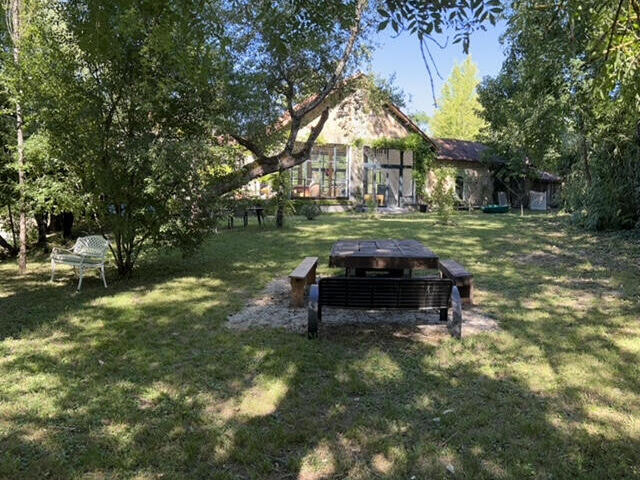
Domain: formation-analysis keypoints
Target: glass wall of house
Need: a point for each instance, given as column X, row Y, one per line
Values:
column 388, row 177
column 324, row 175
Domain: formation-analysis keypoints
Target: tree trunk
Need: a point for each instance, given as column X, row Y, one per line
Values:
column 7, row 246
column 13, row 227
column 280, row 216
column 15, row 11
column 584, row 149
column 41, row 220
column 67, row 225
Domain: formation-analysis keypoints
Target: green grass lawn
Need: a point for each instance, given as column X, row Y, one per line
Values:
column 143, row 380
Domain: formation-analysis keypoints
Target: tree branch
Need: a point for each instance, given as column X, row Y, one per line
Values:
column 287, row 158
column 341, row 65
column 264, row 165
column 13, row 251
column 614, row 27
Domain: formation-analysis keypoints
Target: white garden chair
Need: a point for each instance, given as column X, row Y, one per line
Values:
column 88, row 252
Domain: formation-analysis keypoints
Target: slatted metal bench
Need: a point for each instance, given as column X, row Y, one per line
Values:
column 460, row 276
column 303, row 275
column 370, row 293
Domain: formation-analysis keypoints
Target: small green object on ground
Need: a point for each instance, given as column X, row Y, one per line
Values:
column 495, row 208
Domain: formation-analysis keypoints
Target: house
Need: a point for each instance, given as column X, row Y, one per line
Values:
column 345, row 167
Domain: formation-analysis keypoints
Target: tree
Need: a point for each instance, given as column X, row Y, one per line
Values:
column 126, row 112
column 13, row 9
column 8, row 174
column 458, row 115
column 290, row 43
column 136, row 96
column 566, row 99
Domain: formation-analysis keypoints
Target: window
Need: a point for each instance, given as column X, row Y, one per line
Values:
column 324, row 175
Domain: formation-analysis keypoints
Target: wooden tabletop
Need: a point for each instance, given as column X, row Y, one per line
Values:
column 382, row 254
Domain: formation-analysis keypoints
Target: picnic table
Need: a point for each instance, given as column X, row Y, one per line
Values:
column 391, row 257
column 257, row 211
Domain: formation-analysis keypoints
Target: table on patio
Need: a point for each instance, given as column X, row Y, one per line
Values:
column 395, row 258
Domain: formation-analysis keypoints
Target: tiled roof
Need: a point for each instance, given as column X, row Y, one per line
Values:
column 463, row 150
column 452, row 149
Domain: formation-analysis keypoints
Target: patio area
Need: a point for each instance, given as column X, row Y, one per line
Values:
column 272, row 308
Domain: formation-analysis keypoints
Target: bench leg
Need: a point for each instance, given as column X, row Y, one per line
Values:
column 53, row 269
column 104, row 280
column 81, row 271
column 444, row 313
column 455, row 324
column 314, row 312
column 311, row 279
column 297, row 292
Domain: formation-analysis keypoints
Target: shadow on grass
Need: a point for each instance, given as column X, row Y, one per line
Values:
column 143, row 380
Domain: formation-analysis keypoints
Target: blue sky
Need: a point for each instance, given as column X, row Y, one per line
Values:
column 402, row 56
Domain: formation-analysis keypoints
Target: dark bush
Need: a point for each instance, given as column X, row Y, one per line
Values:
column 310, row 210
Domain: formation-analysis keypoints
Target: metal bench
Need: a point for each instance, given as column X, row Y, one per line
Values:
column 367, row 293
column 303, row 275
column 460, row 276
column 88, row 252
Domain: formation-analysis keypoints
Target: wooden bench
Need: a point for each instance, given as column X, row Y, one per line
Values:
column 460, row 276
column 370, row 293
column 303, row 275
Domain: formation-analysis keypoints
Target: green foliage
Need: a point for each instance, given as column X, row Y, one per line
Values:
column 50, row 187
column 567, row 100
column 120, row 383
column 380, row 91
column 310, row 210
column 125, row 110
column 442, row 195
column 423, row 156
column 281, row 185
column 458, row 114
column 299, row 203
column 424, row 18
column 372, row 206
column 422, row 119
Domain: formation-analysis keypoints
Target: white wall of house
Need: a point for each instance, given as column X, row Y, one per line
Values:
column 477, row 181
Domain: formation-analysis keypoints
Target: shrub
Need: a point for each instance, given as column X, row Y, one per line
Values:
column 310, row 210
column 443, row 194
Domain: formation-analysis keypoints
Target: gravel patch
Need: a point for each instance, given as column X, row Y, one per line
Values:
column 271, row 308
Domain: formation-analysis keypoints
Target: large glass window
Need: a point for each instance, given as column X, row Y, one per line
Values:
column 324, row 175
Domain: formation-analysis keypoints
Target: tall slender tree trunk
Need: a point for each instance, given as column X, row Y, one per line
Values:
column 15, row 11
column 13, row 227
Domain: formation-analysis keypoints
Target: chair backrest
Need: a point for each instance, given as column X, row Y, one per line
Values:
column 91, row 246
column 383, row 293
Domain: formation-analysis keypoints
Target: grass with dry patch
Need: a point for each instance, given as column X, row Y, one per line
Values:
column 143, row 380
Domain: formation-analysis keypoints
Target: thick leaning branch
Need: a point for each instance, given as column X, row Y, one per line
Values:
column 264, row 165
column 287, row 158
column 342, row 64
